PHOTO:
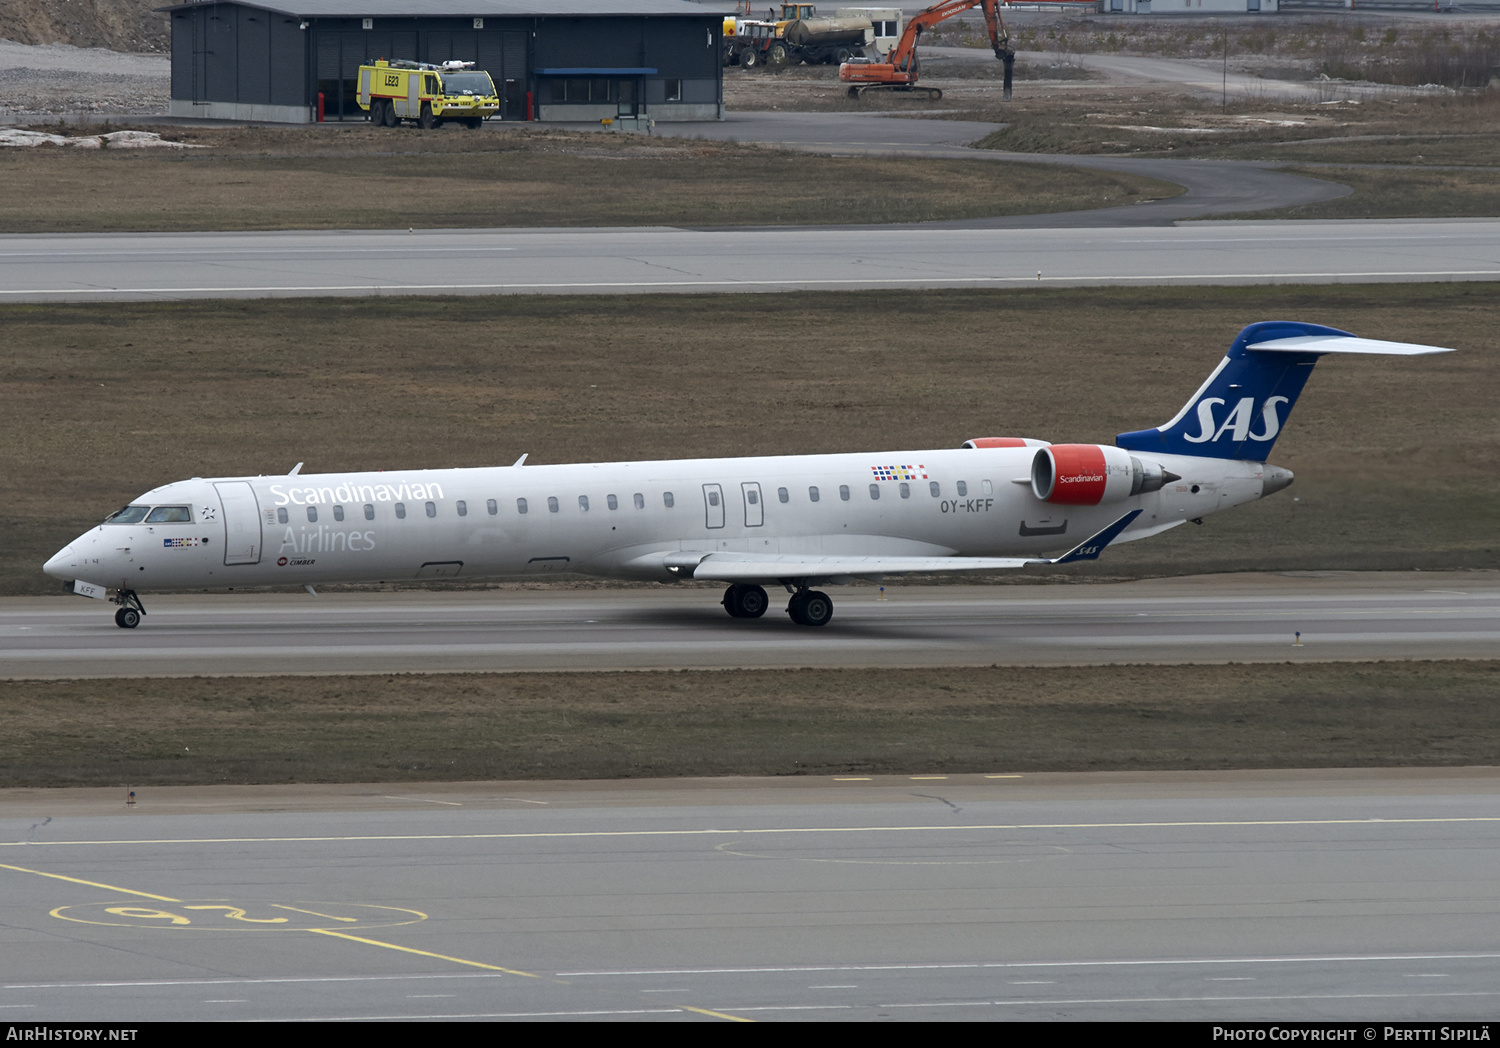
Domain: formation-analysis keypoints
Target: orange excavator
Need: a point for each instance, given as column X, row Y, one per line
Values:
column 899, row 71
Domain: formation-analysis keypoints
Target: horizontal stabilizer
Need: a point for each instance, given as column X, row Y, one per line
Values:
column 1343, row 344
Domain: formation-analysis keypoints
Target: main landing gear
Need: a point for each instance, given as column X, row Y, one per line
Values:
column 746, row 602
column 810, row 608
column 806, row 608
column 131, row 609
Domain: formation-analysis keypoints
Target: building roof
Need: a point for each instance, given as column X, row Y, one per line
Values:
column 474, row 8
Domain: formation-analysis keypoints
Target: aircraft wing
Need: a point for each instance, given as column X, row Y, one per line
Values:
column 772, row 567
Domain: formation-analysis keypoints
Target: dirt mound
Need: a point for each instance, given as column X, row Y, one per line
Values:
column 120, row 25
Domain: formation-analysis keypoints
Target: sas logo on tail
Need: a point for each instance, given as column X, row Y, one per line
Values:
column 1238, row 422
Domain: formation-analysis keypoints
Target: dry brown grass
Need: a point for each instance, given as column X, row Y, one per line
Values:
column 360, row 177
column 1442, row 129
column 1395, row 457
column 804, row 722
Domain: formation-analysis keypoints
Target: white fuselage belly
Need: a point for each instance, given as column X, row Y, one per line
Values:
column 236, row 541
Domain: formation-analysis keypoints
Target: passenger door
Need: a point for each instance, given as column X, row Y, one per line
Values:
column 755, row 510
column 242, row 538
column 713, row 505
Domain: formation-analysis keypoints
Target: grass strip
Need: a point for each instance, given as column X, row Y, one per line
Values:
column 581, row 180
column 708, row 723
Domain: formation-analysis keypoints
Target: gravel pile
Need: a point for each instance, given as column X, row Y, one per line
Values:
column 56, row 78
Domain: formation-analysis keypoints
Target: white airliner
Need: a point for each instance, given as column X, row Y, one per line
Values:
column 792, row 521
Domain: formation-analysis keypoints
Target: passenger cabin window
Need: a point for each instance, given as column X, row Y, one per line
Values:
column 128, row 515
column 552, row 506
column 463, row 508
column 281, row 515
column 369, row 511
column 963, row 488
column 400, row 511
column 640, row 501
column 612, row 502
column 986, row 487
column 667, row 499
column 812, row 494
column 338, row 512
column 713, row 498
column 432, row 509
column 875, row 492
column 170, row 515
column 312, row 514
column 783, row 494
column 932, row 486
column 844, row 492
column 751, row 497
column 583, row 503
column 492, row 507
column 521, row 506
column 905, row 490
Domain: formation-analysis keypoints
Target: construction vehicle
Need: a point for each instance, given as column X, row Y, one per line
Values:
column 900, row 69
column 426, row 94
column 819, row 41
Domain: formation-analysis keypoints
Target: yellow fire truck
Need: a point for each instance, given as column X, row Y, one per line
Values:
column 426, row 94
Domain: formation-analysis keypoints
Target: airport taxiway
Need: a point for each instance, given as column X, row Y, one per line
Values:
column 1207, row 619
column 163, row 267
column 1285, row 895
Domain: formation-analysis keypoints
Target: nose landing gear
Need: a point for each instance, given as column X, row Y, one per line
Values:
column 131, row 609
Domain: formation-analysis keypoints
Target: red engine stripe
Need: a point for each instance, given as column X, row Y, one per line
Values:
column 1080, row 474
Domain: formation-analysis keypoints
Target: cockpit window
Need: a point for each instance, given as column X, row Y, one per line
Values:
column 170, row 515
column 128, row 515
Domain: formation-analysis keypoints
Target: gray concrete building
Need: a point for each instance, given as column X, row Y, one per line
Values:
column 293, row 60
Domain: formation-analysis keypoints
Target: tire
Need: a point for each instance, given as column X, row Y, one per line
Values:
column 844, row 54
column 817, row 609
column 776, row 55
column 794, row 607
column 388, row 110
column 751, row 602
column 127, row 618
column 425, row 121
column 749, row 59
column 472, row 123
column 731, row 601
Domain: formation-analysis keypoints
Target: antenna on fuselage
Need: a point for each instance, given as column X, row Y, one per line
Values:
column 519, row 461
column 294, row 470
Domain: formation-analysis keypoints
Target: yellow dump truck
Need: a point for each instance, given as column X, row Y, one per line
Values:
column 426, row 94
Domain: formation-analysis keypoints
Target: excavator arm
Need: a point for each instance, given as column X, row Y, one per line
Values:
column 899, row 70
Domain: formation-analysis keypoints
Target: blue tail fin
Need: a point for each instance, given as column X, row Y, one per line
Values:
column 1239, row 411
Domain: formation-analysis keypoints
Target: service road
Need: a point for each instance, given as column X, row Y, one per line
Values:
column 1210, row 619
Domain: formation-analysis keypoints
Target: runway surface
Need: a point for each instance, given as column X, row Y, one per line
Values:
column 37, row 268
column 1208, row 619
column 1362, row 896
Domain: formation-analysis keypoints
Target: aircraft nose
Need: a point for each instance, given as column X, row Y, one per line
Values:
column 60, row 563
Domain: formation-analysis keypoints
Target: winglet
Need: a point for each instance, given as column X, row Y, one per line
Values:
column 1091, row 547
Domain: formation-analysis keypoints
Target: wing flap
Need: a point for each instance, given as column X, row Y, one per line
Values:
column 773, row 567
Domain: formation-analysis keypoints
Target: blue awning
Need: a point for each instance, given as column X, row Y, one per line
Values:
column 583, row 71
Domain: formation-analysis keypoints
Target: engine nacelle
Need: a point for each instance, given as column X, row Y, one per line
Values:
column 1091, row 474
column 1004, row 442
